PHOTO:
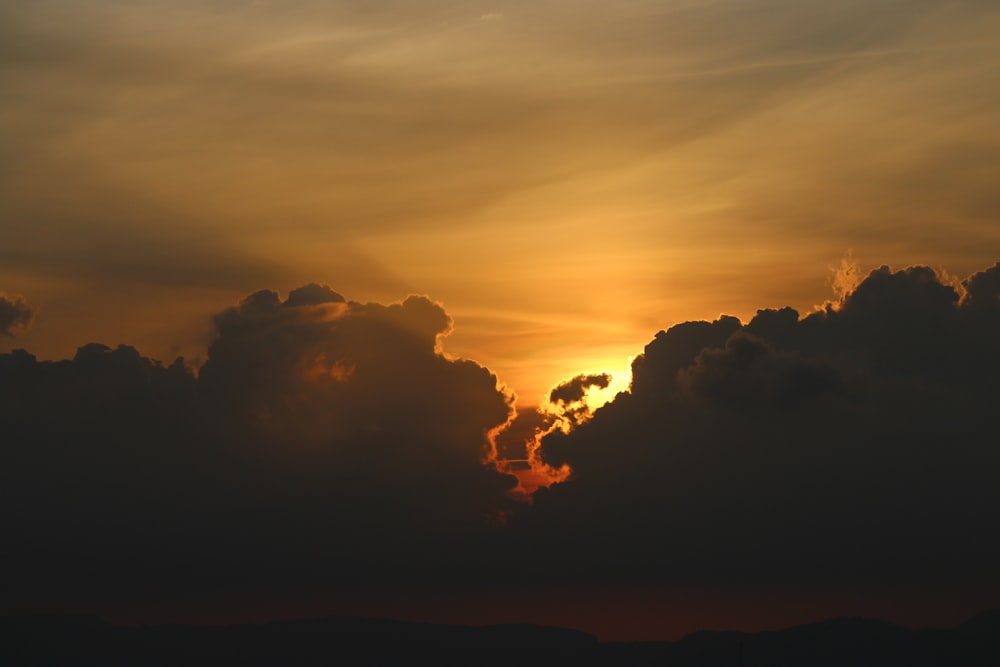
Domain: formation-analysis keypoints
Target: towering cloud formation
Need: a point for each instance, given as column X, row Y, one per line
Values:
column 317, row 366
column 16, row 315
column 856, row 446
column 328, row 445
column 323, row 444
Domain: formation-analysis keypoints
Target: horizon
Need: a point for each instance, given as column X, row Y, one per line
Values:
column 244, row 620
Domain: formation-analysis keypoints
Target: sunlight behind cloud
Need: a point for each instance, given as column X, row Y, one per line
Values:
column 621, row 377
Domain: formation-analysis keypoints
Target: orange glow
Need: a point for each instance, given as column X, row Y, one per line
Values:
column 531, row 472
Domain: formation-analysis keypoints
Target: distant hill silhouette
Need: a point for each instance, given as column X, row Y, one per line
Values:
column 68, row 639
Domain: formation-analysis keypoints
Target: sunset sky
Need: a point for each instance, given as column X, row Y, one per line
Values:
column 556, row 182
column 566, row 177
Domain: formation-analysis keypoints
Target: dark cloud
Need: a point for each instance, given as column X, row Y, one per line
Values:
column 312, row 295
column 982, row 290
column 853, row 447
column 16, row 315
column 512, row 442
column 748, row 373
column 324, row 445
column 329, row 446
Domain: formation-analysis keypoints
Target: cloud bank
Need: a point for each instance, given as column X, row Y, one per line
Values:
column 854, row 447
column 324, row 444
column 330, row 446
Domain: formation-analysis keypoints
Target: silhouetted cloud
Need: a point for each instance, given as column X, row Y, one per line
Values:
column 16, row 315
column 328, row 445
column 575, row 389
column 855, row 446
column 324, row 444
column 982, row 289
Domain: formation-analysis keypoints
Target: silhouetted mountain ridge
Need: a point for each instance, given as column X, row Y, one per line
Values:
column 77, row 639
column 985, row 622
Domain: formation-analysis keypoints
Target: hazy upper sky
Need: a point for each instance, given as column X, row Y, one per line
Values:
column 566, row 177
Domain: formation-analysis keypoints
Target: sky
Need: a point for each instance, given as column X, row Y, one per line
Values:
column 377, row 231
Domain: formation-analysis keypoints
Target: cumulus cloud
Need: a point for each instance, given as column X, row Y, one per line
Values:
column 853, row 446
column 748, row 373
column 982, row 289
column 328, row 445
column 16, row 315
column 324, row 444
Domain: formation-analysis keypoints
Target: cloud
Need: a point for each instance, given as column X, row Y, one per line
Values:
column 618, row 123
column 328, row 445
column 982, row 289
column 850, row 447
column 574, row 390
column 323, row 445
column 748, row 373
column 568, row 402
column 16, row 315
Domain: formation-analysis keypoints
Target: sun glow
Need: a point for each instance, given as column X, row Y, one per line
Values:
column 569, row 404
column 621, row 378
column 593, row 395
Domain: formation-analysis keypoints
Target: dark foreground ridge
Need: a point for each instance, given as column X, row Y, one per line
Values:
column 64, row 639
